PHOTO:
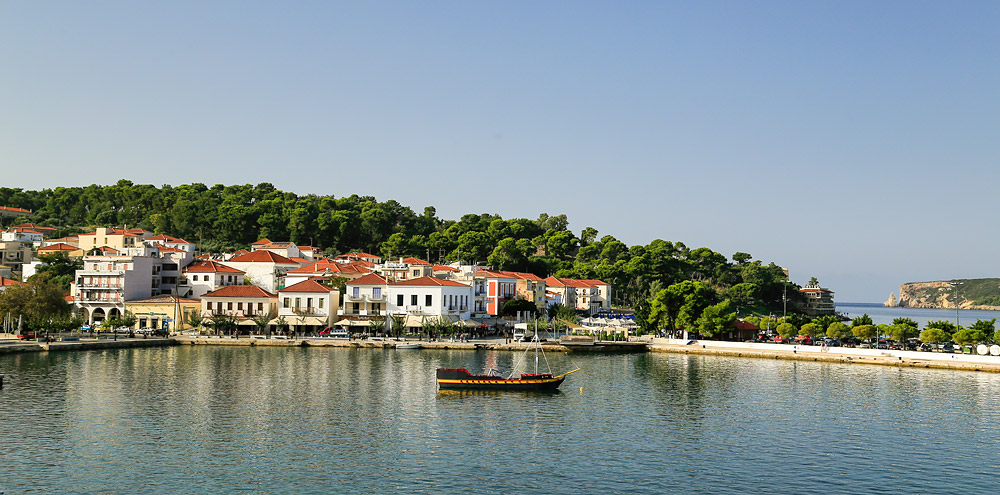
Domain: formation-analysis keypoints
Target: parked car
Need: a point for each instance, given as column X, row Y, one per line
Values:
column 926, row 347
column 30, row 335
column 948, row 347
column 804, row 340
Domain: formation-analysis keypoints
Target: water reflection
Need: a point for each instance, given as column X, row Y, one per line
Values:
column 196, row 419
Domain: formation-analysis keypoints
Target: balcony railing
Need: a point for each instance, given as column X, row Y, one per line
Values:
column 351, row 297
column 302, row 310
column 98, row 286
column 374, row 298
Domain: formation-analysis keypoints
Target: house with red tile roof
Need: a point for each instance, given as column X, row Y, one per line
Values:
column 325, row 269
column 263, row 268
column 286, row 249
column 430, row 297
column 243, row 302
column 370, row 258
column 11, row 211
column 308, row 306
column 405, row 268
column 591, row 296
column 365, row 296
column 204, row 276
column 8, row 282
column 59, row 247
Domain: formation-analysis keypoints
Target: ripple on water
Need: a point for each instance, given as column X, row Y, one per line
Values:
column 200, row 419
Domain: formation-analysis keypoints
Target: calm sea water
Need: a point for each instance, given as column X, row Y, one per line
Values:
column 258, row 420
column 881, row 314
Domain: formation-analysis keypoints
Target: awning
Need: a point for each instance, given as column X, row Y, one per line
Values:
column 347, row 322
column 307, row 320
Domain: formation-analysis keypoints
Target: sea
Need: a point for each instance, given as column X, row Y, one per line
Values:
column 207, row 419
column 883, row 315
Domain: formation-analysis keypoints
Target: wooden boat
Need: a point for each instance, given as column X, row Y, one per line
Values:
column 460, row 378
column 408, row 345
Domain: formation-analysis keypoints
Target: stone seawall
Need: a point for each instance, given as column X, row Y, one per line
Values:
column 83, row 345
column 843, row 355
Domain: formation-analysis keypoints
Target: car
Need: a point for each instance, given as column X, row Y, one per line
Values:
column 30, row 335
column 926, row 347
column 947, row 347
column 804, row 340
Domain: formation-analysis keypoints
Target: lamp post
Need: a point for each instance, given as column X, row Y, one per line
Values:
column 958, row 304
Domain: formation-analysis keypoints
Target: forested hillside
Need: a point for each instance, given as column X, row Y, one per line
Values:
column 222, row 218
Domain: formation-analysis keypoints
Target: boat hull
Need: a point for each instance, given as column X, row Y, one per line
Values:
column 458, row 379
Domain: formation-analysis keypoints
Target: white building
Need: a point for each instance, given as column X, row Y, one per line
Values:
column 102, row 286
column 308, row 306
column 429, row 296
column 202, row 277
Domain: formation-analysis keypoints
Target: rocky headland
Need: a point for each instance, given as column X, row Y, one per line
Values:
column 981, row 294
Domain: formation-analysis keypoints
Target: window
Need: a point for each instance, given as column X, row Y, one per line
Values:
column 377, row 293
column 413, row 300
column 208, row 306
column 399, row 300
column 286, row 302
column 321, row 303
column 260, row 306
column 416, row 273
column 195, row 278
column 309, row 302
column 298, row 301
column 355, row 307
column 428, row 300
column 239, row 306
column 229, row 306
column 356, row 292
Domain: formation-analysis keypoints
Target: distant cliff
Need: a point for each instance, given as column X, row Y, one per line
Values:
column 979, row 293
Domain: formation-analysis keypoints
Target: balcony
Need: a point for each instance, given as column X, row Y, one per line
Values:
column 374, row 298
column 308, row 311
column 412, row 309
column 354, row 298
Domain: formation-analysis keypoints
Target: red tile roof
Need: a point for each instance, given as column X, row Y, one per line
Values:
column 15, row 210
column 306, row 286
column 443, row 268
column 7, row 282
column 31, row 226
column 570, row 282
column 240, row 291
column 210, row 266
column 59, row 246
column 430, row 281
column 262, row 242
column 165, row 237
column 358, row 255
column 506, row 274
column 326, row 267
column 415, row 261
column 370, row 279
column 263, row 256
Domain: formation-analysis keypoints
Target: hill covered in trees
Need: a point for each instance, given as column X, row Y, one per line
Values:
column 225, row 218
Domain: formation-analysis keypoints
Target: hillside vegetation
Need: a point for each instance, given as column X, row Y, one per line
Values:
column 224, row 218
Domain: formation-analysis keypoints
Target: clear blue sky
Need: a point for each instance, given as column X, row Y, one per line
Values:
column 857, row 142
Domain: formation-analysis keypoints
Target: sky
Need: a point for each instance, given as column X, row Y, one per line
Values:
column 854, row 142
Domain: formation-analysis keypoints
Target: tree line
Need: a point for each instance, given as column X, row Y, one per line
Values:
column 225, row 218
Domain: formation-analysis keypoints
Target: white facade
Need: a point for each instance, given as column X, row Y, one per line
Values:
column 431, row 300
column 104, row 283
